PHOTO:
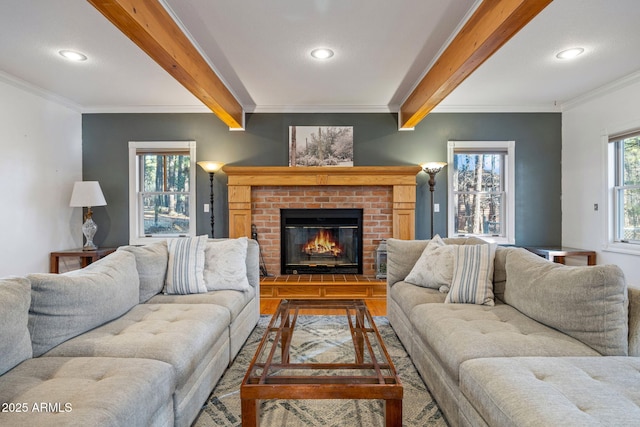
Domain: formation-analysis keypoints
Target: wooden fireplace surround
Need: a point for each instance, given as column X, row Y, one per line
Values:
column 401, row 178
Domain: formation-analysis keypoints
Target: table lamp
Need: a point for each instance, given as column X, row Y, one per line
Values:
column 88, row 193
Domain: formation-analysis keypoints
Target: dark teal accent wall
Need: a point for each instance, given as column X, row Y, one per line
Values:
column 377, row 142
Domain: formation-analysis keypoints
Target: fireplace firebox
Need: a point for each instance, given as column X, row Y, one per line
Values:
column 321, row 241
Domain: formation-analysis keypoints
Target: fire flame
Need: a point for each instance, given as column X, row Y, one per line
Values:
column 322, row 244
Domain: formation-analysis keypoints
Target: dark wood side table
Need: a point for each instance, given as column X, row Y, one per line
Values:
column 86, row 257
column 558, row 253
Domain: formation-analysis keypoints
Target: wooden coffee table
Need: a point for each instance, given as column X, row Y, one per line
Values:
column 278, row 373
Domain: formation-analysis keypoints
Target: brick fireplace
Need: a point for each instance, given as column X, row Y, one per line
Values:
column 385, row 194
column 375, row 202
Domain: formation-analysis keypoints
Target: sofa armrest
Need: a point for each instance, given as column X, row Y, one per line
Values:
column 401, row 257
column 253, row 263
column 634, row 320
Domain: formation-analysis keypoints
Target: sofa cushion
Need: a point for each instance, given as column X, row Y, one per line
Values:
column 588, row 303
column 178, row 334
column 472, row 274
column 233, row 301
column 186, row 265
column 589, row 391
column 88, row 391
column 151, row 263
column 225, row 265
column 66, row 305
column 434, row 268
column 407, row 295
column 15, row 341
column 459, row 332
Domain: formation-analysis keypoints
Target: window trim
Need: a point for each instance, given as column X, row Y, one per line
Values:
column 136, row 237
column 509, row 187
column 610, row 158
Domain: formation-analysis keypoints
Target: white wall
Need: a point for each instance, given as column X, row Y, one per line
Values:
column 584, row 169
column 40, row 158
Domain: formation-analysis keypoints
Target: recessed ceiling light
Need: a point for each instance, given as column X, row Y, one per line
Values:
column 570, row 53
column 322, row 53
column 72, row 55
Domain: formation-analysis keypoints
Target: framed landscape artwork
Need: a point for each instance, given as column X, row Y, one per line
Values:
column 320, row 145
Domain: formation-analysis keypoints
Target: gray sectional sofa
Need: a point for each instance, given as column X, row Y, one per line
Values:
column 559, row 347
column 104, row 346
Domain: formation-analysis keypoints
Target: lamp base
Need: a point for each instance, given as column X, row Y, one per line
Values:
column 89, row 229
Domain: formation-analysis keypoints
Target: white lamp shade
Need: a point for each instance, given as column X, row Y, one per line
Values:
column 210, row 166
column 87, row 193
column 433, row 167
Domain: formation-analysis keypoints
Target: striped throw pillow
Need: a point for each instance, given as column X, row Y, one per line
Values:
column 472, row 275
column 186, row 265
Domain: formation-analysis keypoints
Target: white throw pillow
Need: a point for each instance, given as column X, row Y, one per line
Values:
column 434, row 268
column 472, row 275
column 225, row 265
column 186, row 265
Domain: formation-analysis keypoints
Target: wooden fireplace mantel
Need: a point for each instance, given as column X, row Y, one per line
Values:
column 401, row 178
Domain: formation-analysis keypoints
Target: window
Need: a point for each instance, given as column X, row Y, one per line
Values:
column 481, row 196
column 161, row 190
column 626, row 189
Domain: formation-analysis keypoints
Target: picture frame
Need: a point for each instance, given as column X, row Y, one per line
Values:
column 320, row 145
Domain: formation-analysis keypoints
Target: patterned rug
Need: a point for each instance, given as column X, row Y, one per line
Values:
column 418, row 407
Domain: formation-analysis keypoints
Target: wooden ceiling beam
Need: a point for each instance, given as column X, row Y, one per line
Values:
column 493, row 23
column 149, row 25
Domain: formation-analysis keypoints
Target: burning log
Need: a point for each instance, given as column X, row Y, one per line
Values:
column 322, row 244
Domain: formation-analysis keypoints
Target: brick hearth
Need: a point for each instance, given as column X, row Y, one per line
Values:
column 376, row 203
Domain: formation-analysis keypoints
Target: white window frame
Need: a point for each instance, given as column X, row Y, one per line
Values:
column 611, row 244
column 509, row 186
column 136, row 226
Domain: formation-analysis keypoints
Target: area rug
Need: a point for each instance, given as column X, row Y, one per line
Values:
column 418, row 407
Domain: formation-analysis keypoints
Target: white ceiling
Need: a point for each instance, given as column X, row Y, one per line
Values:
column 261, row 50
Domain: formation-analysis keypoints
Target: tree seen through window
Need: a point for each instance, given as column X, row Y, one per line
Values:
column 479, row 193
column 165, row 193
column 628, row 189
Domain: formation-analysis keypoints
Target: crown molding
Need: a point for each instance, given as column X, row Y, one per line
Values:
column 606, row 89
column 38, row 91
column 320, row 109
column 497, row 109
column 132, row 109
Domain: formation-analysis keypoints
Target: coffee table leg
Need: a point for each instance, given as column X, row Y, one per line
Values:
column 359, row 336
column 250, row 415
column 286, row 340
column 359, row 345
column 392, row 412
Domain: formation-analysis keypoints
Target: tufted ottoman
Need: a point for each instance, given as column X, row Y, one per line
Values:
column 569, row 391
column 87, row 391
